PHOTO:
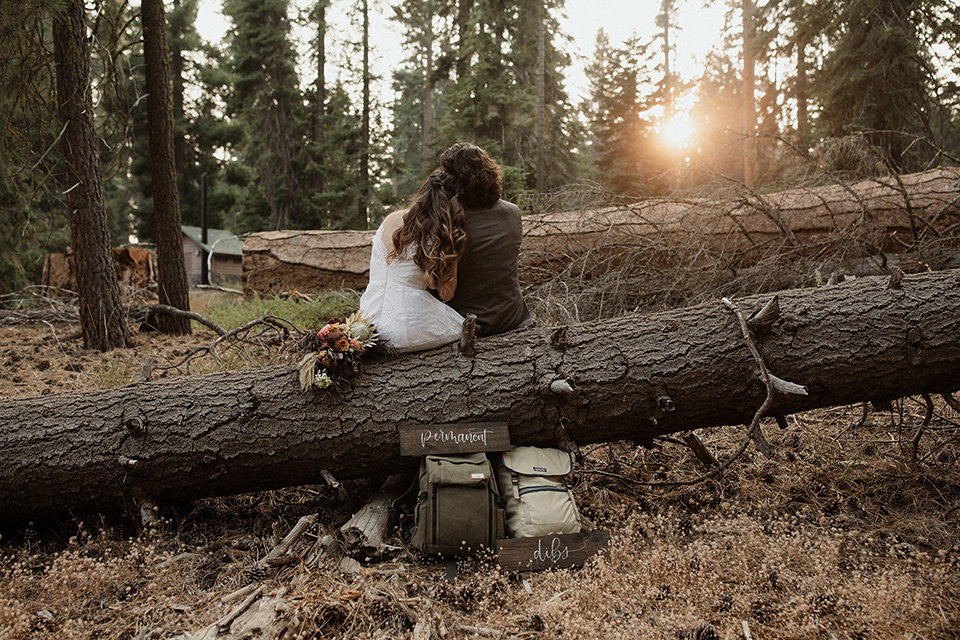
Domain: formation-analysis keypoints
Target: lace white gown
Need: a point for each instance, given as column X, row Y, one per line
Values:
column 397, row 300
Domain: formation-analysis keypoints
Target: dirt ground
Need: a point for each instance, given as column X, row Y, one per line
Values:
column 851, row 531
column 40, row 360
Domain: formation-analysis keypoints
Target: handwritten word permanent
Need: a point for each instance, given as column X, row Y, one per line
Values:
column 451, row 436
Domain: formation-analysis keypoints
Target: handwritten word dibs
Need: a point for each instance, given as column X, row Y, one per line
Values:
column 555, row 553
column 449, row 436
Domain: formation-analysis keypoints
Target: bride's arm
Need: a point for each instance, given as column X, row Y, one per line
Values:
column 448, row 288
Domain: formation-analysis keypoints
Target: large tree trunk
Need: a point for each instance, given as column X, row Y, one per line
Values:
column 363, row 188
column 892, row 214
column 748, row 110
column 320, row 86
column 632, row 378
column 101, row 313
column 171, row 270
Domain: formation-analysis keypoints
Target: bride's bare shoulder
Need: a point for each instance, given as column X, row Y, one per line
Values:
column 394, row 220
column 390, row 225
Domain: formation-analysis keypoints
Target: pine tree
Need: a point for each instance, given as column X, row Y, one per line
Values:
column 878, row 77
column 35, row 221
column 329, row 166
column 363, row 202
column 620, row 114
column 554, row 131
column 183, row 39
column 419, row 86
column 101, row 314
column 171, row 271
column 493, row 98
column 264, row 100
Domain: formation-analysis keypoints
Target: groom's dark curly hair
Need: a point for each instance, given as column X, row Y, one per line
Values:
column 478, row 178
column 434, row 224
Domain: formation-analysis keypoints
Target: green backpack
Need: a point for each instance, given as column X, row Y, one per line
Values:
column 458, row 505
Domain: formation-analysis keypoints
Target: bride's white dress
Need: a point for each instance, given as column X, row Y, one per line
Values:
column 404, row 311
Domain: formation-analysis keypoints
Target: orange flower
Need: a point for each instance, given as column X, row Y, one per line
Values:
column 359, row 348
column 342, row 343
column 333, row 336
column 326, row 360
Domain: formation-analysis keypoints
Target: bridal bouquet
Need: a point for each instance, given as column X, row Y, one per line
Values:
column 335, row 350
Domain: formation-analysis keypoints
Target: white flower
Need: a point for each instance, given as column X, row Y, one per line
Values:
column 322, row 380
column 361, row 328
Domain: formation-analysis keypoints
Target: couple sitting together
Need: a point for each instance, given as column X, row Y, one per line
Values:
column 453, row 252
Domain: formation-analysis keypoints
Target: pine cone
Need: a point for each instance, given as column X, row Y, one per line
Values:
column 703, row 631
column 256, row 573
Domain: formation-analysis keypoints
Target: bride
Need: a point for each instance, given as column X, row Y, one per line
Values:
column 416, row 251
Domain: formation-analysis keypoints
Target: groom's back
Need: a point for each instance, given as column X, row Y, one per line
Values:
column 487, row 282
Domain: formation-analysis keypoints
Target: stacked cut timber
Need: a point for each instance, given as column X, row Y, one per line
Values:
column 135, row 267
column 888, row 214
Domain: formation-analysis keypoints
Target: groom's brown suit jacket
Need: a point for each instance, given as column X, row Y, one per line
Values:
column 487, row 282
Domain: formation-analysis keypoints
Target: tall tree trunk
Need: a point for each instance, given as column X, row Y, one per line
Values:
column 321, row 83
column 628, row 378
column 801, row 95
column 101, row 313
column 541, row 98
column 427, row 150
column 364, row 200
column 668, row 107
column 176, row 77
column 748, row 111
column 463, row 24
column 171, row 270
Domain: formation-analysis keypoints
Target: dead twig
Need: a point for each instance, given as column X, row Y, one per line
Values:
column 269, row 323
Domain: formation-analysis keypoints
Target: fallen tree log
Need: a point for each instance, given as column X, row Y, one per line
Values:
column 633, row 377
column 889, row 214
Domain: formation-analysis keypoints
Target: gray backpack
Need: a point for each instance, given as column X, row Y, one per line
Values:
column 458, row 506
column 535, row 485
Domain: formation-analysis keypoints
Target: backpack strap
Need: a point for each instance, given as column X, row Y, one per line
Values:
column 403, row 506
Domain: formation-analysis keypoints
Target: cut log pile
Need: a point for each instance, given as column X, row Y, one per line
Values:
column 889, row 214
column 633, row 377
column 135, row 268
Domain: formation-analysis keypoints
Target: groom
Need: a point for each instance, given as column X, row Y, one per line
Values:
column 487, row 282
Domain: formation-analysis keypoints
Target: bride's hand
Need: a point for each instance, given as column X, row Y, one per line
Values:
column 448, row 288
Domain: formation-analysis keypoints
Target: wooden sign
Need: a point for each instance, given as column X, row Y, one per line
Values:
column 454, row 438
column 550, row 552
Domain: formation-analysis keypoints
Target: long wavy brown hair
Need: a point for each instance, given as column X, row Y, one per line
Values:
column 434, row 224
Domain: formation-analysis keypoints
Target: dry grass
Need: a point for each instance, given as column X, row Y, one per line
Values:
column 843, row 535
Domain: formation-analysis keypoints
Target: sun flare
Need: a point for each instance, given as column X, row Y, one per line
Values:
column 677, row 131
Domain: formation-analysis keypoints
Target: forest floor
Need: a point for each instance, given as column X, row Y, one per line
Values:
column 851, row 531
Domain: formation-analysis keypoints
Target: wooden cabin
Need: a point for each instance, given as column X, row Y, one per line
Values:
column 225, row 251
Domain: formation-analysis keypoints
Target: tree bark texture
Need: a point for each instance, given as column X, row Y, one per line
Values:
column 101, row 312
column 633, row 377
column 172, row 284
column 869, row 218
